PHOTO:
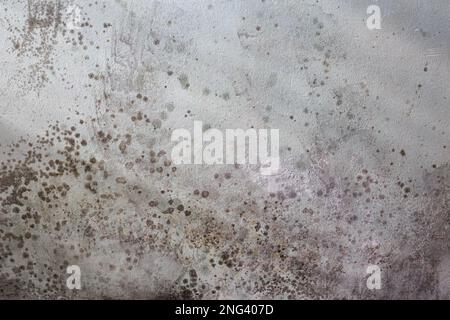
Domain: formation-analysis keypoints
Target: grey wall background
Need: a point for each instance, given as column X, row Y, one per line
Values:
column 86, row 177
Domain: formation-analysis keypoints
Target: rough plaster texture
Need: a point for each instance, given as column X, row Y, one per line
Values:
column 86, row 177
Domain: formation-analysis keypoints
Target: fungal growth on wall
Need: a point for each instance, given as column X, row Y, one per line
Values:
column 352, row 98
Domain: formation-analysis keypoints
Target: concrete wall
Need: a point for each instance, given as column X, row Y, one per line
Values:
column 91, row 92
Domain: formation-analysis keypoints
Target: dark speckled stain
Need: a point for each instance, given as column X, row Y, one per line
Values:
column 98, row 188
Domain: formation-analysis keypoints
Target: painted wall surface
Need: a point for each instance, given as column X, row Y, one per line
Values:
column 92, row 90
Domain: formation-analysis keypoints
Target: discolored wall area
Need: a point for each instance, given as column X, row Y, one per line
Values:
column 91, row 92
